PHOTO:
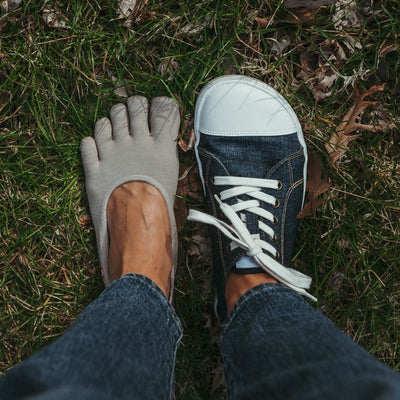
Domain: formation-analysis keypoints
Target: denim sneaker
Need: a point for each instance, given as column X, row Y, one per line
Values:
column 252, row 159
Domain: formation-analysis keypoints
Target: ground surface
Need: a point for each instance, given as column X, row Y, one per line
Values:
column 63, row 66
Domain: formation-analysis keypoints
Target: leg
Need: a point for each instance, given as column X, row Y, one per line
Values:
column 123, row 345
column 252, row 158
column 275, row 344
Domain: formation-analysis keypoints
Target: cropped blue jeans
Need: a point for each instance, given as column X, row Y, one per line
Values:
column 274, row 346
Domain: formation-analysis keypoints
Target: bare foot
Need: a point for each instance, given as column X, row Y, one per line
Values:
column 237, row 285
column 140, row 234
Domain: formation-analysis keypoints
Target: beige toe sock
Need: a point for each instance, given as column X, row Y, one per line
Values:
column 126, row 149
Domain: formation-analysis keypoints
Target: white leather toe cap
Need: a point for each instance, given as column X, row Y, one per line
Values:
column 237, row 105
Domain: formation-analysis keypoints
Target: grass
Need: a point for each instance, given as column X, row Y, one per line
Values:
column 55, row 83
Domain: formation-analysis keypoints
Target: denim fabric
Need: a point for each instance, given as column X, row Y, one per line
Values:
column 273, row 157
column 122, row 346
column 276, row 346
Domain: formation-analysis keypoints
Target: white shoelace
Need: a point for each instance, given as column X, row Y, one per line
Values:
column 262, row 252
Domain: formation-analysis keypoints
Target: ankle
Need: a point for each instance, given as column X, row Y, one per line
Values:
column 238, row 284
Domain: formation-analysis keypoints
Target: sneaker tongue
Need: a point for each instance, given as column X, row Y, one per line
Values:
column 246, row 160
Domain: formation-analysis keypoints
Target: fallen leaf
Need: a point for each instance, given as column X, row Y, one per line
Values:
column 308, row 62
column 307, row 3
column 188, row 138
column 120, row 85
column 189, row 182
column 278, row 43
column 23, row 259
column 187, row 143
column 346, row 16
column 180, row 211
column 84, row 221
column 218, row 379
column 131, row 10
column 189, row 185
column 316, row 186
column 351, row 43
column 304, row 15
column 200, row 246
column 229, row 67
column 195, row 28
column 168, row 67
column 382, row 118
column 262, row 22
column 10, row 5
column 53, row 17
column 338, row 142
column 333, row 52
column 351, row 80
column 323, row 89
column 337, row 280
column 126, row 8
column 320, row 66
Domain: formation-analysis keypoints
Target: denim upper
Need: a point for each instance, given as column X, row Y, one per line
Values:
column 265, row 157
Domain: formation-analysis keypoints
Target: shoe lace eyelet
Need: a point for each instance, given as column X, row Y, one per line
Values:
column 275, row 221
column 277, row 203
column 277, row 256
column 280, row 185
column 274, row 238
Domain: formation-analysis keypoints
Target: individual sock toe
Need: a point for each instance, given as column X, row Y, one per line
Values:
column 102, row 131
column 120, row 122
column 164, row 117
column 138, row 115
column 89, row 153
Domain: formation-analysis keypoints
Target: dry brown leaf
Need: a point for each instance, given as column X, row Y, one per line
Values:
column 200, row 246
column 346, row 16
column 132, row 10
column 187, row 141
column 304, row 15
column 189, row 185
column 188, row 138
column 302, row 11
column 338, row 142
column 84, row 221
column 316, row 186
column 307, row 3
column 229, row 67
column 262, row 22
column 10, row 5
column 180, row 211
column 319, row 67
column 351, row 43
